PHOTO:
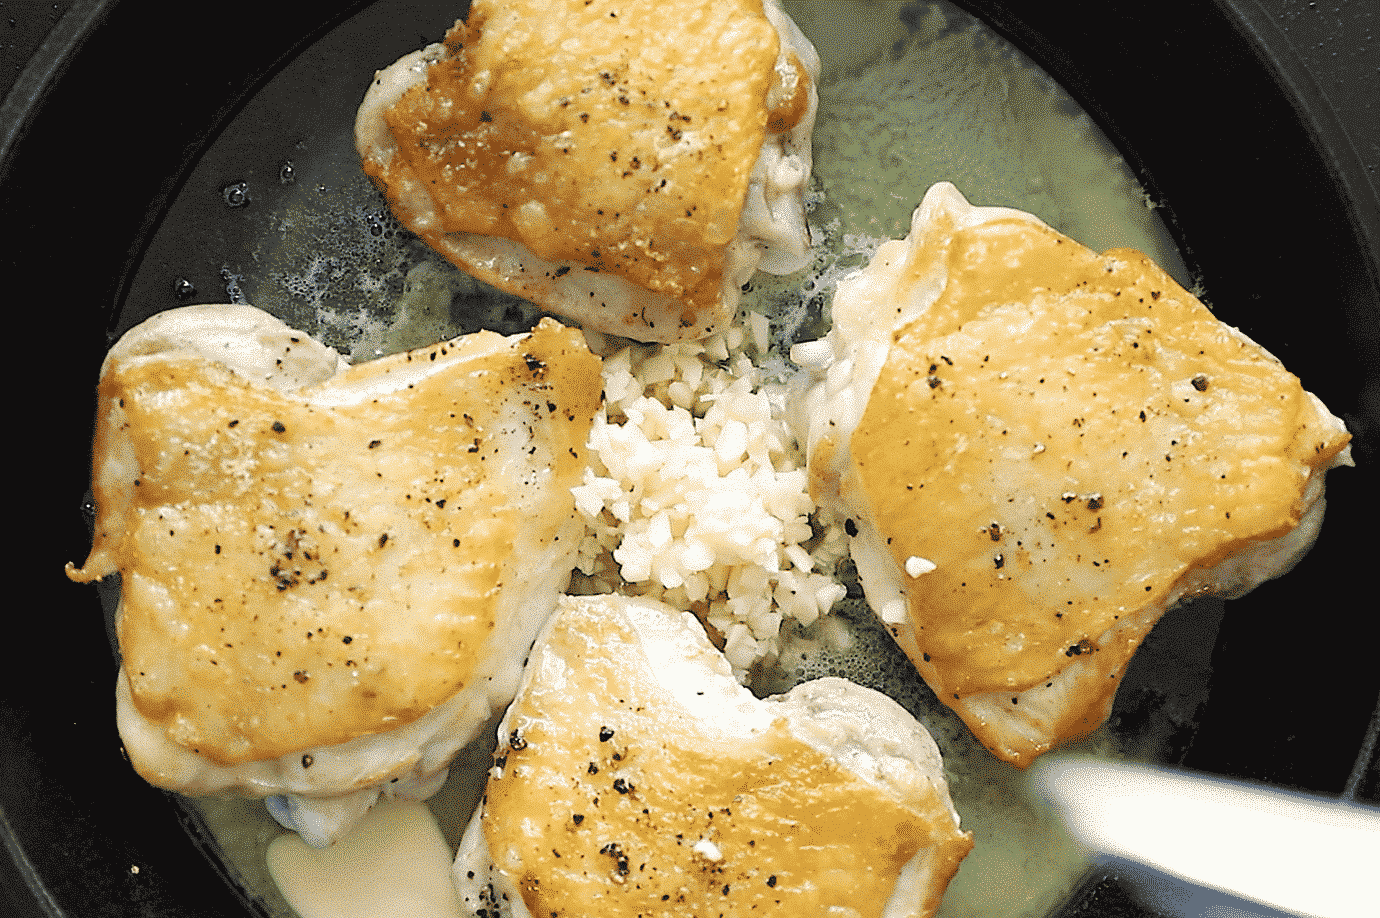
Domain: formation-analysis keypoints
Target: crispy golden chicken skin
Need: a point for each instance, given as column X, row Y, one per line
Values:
column 307, row 564
column 1042, row 448
column 636, row 777
column 627, row 165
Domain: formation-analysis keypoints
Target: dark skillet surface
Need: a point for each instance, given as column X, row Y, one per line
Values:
column 1281, row 233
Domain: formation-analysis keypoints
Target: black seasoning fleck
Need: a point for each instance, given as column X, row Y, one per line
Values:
column 578, row 818
column 771, row 881
column 605, row 734
column 999, row 561
column 278, row 427
column 516, row 742
column 1082, row 647
column 850, row 527
column 1200, row 382
column 375, row 444
column 613, row 850
column 306, row 761
column 1095, row 502
column 383, row 540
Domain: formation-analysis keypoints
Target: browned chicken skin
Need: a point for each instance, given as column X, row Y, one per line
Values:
column 627, row 166
column 635, row 777
column 328, row 577
column 1042, row 449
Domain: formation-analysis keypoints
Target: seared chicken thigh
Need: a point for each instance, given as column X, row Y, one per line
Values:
column 329, row 574
column 625, row 165
column 1039, row 450
column 635, row 776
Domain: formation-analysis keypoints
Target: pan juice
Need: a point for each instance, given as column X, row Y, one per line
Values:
column 910, row 94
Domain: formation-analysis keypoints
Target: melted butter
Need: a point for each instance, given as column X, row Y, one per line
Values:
column 601, row 155
column 1074, row 432
column 613, row 796
column 299, row 570
column 394, row 862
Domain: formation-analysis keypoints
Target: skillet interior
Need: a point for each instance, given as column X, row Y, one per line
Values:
column 1266, row 217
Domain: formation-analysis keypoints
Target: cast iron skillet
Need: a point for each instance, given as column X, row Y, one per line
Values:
column 1265, row 197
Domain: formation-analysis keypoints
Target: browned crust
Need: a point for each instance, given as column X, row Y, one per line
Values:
column 617, row 139
column 297, row 571
column 1089, row 685
column 1132, row 487
column 789, row 99
column 601, row 754
column 1074, row 443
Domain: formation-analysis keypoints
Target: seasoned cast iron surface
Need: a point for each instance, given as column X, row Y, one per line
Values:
column 1275, row 226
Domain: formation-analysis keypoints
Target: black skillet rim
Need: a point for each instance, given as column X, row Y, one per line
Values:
column 82, row 835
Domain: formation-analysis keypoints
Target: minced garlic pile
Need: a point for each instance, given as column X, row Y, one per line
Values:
column 697, row 493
